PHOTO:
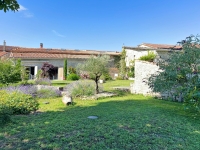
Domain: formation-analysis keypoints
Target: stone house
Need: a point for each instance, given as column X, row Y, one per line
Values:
column 144, row 69
column 33, row 58
column 161, row 50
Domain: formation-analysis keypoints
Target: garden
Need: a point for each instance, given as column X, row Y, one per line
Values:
column 33, row 115
column 124, row 122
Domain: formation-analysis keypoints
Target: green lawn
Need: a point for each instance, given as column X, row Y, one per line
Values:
column 60, row 83
column 126, row 122
column 108, row 85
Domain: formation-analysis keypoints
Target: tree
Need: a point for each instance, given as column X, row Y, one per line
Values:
column 122, row 64
column 95, row 66
column 11, row 71
column 48, row 70
column 180, row 74
column 7, row 5
column 65, row 69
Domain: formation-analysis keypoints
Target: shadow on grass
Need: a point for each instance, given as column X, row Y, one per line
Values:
column 127, row 122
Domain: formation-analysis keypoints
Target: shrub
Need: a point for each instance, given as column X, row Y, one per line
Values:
column 119, row 78
column 5, row 110
column 81, row 88
column 149, row 57
column 16, row 103
column 84, row 75
column 50, row 92
column 21, row 103
column 25, row 89
column 106, row 76
column 48, row 70
column 11, row 71
column 73, row 77
column 43, row 81
column 72, row 70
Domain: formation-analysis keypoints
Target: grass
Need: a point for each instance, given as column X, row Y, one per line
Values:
column 126, row 122
column 60, row 83
column 108, row 85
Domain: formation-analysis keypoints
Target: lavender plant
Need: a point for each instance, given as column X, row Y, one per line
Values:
column 25, row 89
column 81, row 88
column 48, row 92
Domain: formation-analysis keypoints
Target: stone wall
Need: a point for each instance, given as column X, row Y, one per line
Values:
column 143, row 70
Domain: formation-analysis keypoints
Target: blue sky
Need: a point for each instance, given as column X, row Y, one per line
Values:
column 99, row 24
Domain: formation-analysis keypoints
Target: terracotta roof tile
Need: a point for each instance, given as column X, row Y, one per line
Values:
column 3, row 53
column 60, row 51
column 46, row 55
column 8, row 48
column 160, row 46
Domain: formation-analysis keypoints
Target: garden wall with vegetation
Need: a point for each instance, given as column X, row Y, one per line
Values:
column 143, row 70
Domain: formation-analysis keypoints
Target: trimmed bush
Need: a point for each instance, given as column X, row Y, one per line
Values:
column 81, row 88
column 73, row 77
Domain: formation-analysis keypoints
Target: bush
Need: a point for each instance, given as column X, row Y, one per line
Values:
column 50, row 92
column 73, row 77
column 149, row 57
column 25, row 89
column 21, row 103
column 5, row 110
column 72, row 70
column 81, row 88
column 106, row 76
column 84, row 75
column 17, row 103
column 11, row 71
column 119, row 78
column 43, row 81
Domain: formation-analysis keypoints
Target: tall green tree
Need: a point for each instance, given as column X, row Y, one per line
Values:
column 95, row 66
column 11, row 71
column 180, row 74
column 7, row 5
column 122, row 64
column 65, row 69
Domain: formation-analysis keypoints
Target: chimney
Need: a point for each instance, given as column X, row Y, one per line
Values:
column 41, row 45
column 4, row 45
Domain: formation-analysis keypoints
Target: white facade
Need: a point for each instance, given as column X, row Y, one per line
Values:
column 136, row 52
column 143, row 70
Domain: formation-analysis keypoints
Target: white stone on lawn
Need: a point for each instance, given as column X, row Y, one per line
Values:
column 92, row 117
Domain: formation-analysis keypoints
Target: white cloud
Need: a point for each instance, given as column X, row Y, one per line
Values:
column 58, row 34
column 28, row 15
column 21, row 8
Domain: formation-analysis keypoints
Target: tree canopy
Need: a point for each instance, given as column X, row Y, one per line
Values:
column 48, row 70
column 95, row 66
column 180, row 74
column 11, row 71
column 7, row 5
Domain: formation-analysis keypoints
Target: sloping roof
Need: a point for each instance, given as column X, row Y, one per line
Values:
column 2, row 53
column 49, row 53
column 159, row 46
column 8, row 48
column 46, row 56
column 60, row 51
